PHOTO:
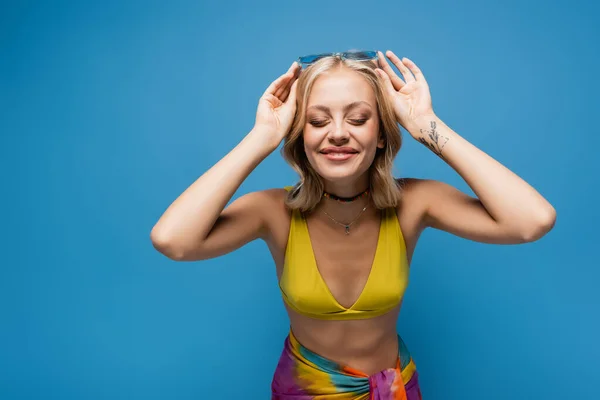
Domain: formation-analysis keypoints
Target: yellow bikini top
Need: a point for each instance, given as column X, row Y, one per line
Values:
column 304, row 290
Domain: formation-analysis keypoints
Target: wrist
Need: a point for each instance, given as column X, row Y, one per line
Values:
column 263, row 139
column 432, row 132
column 422, row 123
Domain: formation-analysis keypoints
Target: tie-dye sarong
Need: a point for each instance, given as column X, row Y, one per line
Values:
column 304, row 375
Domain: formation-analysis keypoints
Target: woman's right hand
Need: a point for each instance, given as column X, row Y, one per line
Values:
column 277, row 106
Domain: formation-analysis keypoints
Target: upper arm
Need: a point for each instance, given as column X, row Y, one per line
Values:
column 448, row 209
column 244, row 220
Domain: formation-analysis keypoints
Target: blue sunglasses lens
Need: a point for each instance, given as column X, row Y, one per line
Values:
column 361, row 55
column 351, row 55
column 312, row 58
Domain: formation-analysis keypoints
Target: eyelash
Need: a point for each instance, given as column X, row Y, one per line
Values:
column 357, row 121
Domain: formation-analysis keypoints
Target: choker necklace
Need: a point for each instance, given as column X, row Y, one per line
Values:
column 347, row 226
column 345, row 199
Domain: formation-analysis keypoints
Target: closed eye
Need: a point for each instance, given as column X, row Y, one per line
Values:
column 323, row 123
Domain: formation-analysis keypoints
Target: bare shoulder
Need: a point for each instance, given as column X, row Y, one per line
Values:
column 413, row 190
column 412, row 205
column 418, row 193
column 409, row 184
column 270, row 203
column 252, row 212
column 263, row 202
column 276, row 218
column 267, row 195
column 269, row 198
column 263, row 199
column 420, row 190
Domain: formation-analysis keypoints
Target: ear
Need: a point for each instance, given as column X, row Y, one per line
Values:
column 381, row 142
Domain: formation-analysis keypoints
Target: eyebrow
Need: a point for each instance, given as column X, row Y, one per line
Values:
column 346, row 107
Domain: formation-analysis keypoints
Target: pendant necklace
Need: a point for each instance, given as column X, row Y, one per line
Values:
column 347, row 226
column 346, row 200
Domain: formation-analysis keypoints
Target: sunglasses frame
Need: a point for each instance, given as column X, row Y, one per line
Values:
column 343, row 55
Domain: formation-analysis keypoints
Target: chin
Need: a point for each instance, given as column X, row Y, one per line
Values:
column 339, row 172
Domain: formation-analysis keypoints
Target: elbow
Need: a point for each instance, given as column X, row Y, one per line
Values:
column 544, row 224
column 165, row 246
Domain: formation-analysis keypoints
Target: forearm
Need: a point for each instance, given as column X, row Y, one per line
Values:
column 508, row 199
column 192, row 215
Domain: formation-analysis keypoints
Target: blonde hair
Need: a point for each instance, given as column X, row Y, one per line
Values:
column 306, row 194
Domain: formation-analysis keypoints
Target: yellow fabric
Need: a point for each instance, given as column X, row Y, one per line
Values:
column 304, row 290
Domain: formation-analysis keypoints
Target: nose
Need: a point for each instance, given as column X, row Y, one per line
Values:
column 338, row 133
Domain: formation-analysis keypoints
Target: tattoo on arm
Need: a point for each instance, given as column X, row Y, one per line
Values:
column 436, row 141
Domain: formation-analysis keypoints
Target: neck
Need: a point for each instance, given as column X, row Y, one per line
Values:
column 347, row 189
column 350, row 199
column 345, row 212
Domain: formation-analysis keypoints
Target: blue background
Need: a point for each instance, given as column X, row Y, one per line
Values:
column 109, row 111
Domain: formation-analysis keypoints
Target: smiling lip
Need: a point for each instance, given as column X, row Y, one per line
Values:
column 339, row 156
column 328, row 150
column 338, row 153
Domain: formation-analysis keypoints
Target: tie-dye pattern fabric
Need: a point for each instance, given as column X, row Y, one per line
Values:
column 304, row 375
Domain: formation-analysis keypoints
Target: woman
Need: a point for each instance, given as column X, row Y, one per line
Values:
column 342, row 239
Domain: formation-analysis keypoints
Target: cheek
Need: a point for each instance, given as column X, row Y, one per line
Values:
column 311, row 144
column 312, row 139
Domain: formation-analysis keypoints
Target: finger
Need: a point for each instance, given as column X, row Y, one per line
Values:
column 288, row 89
column 277, row 83
column 284, row 90
column 273, row 101
column 274, row 85
column 408, row 76
column 284, row 85
column 292, row 97
column 291, row 74
column 415, row 70
column 396, row 81
column 387, row 82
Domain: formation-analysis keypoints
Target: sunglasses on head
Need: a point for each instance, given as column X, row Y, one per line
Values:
column 356, row 55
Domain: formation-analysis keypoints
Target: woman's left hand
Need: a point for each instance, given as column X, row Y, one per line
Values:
column 410, row 98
